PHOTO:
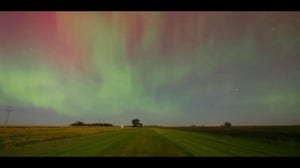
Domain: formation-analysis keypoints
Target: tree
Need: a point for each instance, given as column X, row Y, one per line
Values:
column 78, row 123
column 227, row 124
column 136, row 123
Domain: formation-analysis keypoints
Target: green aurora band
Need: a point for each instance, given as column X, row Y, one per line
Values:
column 171, row 68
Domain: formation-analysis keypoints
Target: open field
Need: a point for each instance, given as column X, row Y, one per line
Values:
column 257, row 133
column 150, row 141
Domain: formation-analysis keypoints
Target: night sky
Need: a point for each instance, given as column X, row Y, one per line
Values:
column 164, row 68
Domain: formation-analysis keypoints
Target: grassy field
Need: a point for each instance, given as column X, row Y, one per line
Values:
column 150, row 141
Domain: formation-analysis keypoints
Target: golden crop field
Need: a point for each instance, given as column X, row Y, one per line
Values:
column 15, row 136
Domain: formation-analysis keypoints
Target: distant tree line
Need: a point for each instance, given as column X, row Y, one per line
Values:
column 80, row 123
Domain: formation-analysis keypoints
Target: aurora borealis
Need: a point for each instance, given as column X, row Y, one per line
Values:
column 168, row 68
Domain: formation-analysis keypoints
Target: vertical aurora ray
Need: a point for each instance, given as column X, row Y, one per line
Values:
column 190, row 67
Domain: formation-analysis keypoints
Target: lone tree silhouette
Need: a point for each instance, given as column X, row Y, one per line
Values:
column 9, row 110
column 227, row 124
column 136, row 123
